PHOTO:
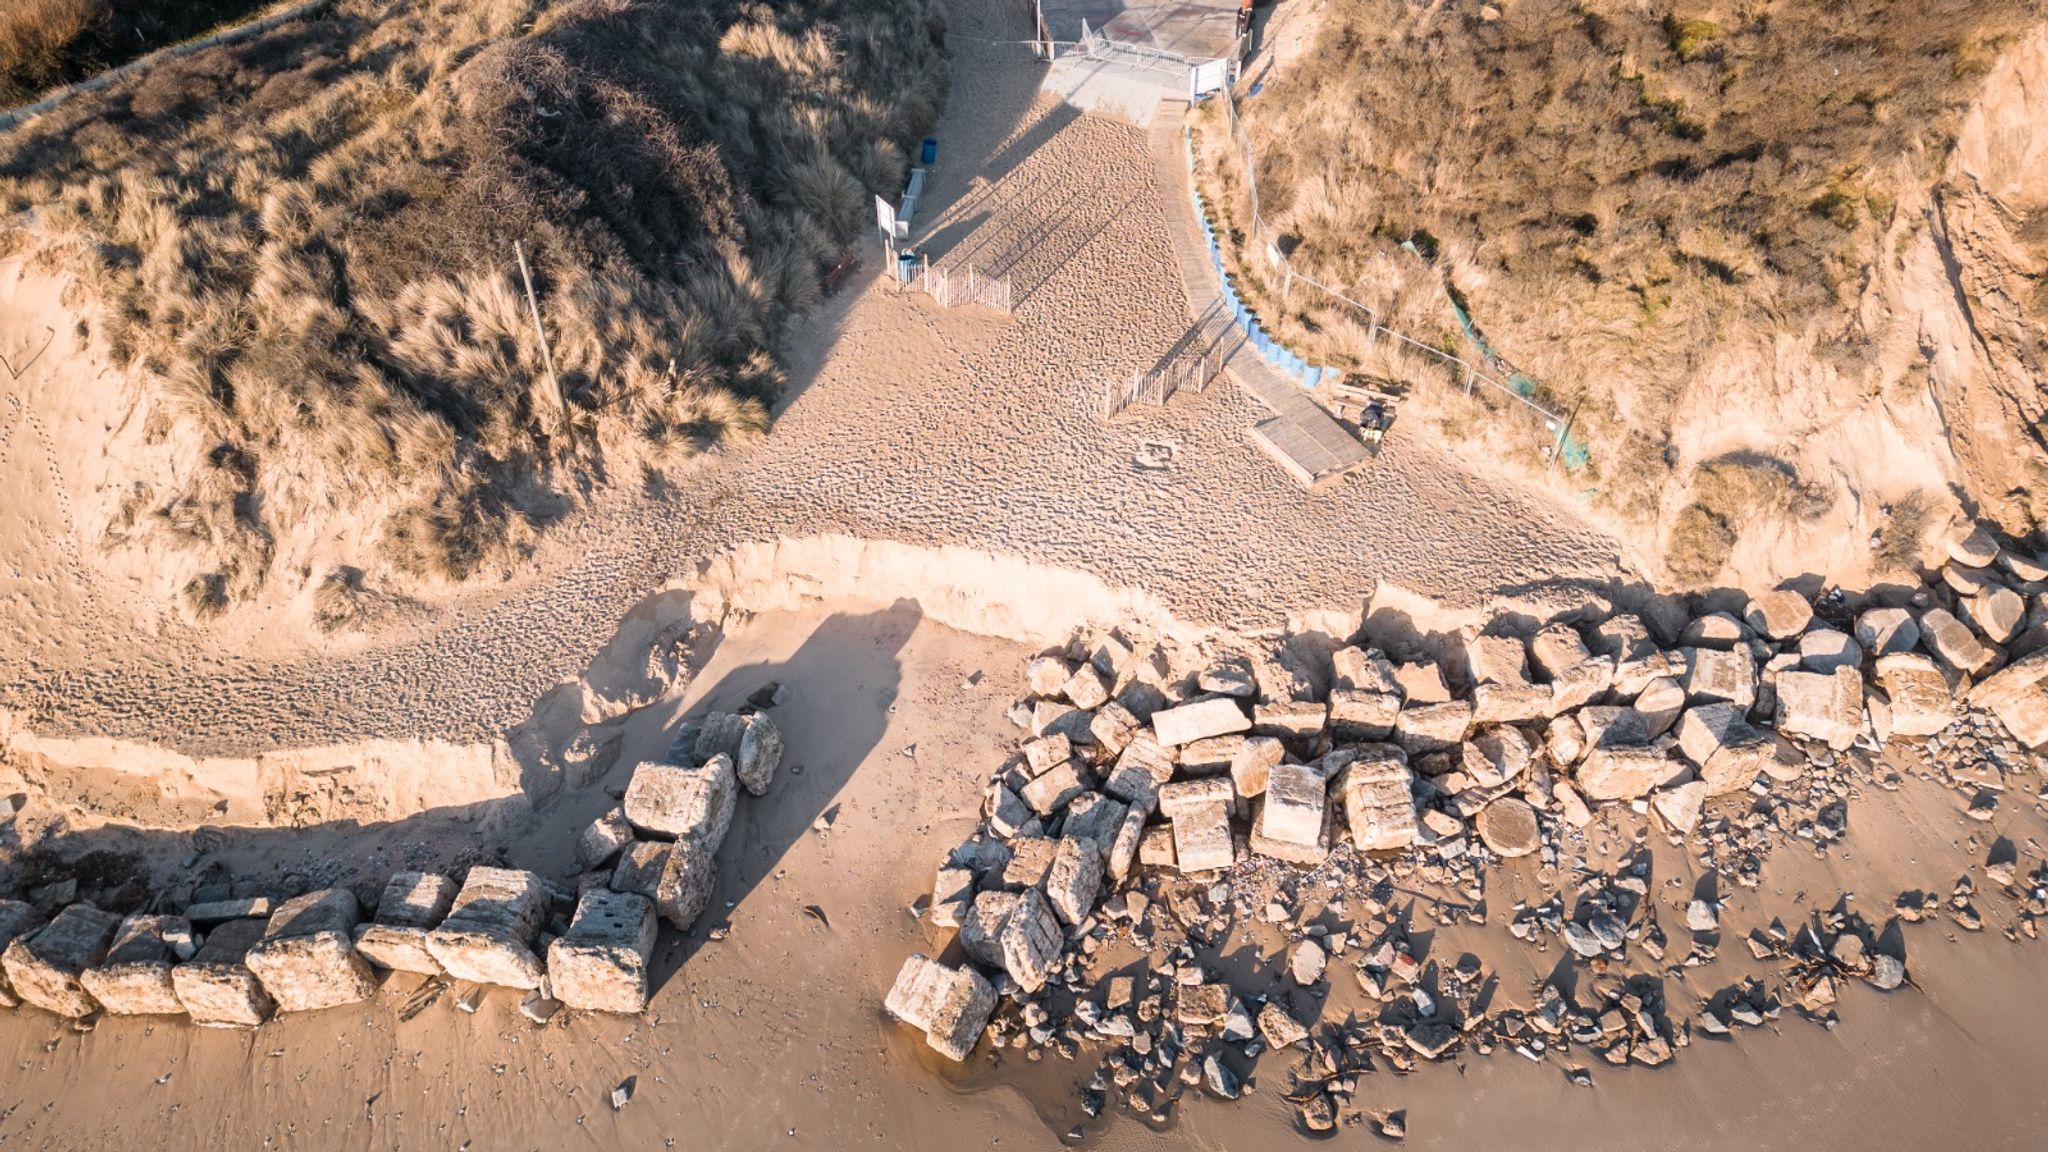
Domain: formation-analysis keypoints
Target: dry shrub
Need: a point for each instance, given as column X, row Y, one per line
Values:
column 37, row 41
column 1731, row 494
column 1900, row 536
column 1622, row 193
column 303, row 245
column 1699, row 546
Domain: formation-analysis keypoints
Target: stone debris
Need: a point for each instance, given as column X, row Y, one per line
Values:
column 750, row 743
column 600, row 963
column 413, row 904
column 689, row 875
column 43, row 967
column 135, row 977
column 951, row 1006
column 490, row 932
column 307, row 958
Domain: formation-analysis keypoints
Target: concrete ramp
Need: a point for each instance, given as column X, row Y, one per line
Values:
column 1113, row 88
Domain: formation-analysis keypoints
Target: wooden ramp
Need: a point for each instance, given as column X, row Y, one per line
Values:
column 1301, row 436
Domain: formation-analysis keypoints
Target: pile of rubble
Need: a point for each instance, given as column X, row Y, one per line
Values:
column 1162, row 798
column 233, row 962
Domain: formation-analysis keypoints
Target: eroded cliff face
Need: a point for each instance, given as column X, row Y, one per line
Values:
column 1985, row 332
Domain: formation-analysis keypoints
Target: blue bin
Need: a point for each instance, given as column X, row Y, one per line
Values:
column 928, row 155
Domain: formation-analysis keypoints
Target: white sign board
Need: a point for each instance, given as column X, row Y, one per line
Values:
column 1209, row 77
column 885, row 218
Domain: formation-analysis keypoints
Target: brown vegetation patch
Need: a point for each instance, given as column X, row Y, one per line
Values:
column 304, row 245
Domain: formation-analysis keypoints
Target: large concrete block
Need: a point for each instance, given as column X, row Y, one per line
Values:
column 489, row 934
column 17, row 919
column 1721, row 674
column 1828, row 708
column 668, row 801
column 750, row 742
column 1253, row 765
column 1883, row 631
column 1423, row 728
column 1216, row 716
column 1050, row 792
column 135, row 977
column 412, row 904
column 1201, row 837
column 216, row 986
column 981, row 930
column 639, row 868
column 1210, row 756
column 1511, row 703
column 1625, row 772
column 1379, row 804
column 1779, row 615
column 1358, row 714
column 1031, row 941
column 1575, row 675
column 2018, row 697
column 688, row 877
column 1074, row 880
column 600, row 963
column 1123, row 851
column 1140, row 769
column 1497, row 660
column 307, row 958
column 604, row 838
column 1095, row 817
column 43, row 967
column 1188, row 795
column 1952, row 641
column 1290, row 719
column 951, row 1006
column 1364, row 670
column 1728, row 753
column 1921, row 703
column 1294, row 805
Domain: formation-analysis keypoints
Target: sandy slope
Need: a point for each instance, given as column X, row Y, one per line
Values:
column 911, row 423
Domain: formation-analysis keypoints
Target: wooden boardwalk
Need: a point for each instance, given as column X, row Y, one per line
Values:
column 1301, row 436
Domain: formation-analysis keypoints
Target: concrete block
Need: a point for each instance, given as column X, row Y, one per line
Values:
column 952, row 896
column 1030, row 859
column 1187, row 723
column 1511, row 703
column 950, row 1005
column 1210, row 756
column 1625, row 772
column 17, row 919
column 1290, row 719
column 1186, row 795
column 1721, row 674
column 1379, row 803
column 1043, row 754
column 981, row 930
column 307, row 958
column 1433, row 727
column 135, row 977
column 215, row 911
column 1294, row 804
column 1779, row 615
column 1123, row 851
column 1031, row 941
column 600, row 963
column 1201, row 838
column 1952, row 641
column 490, row 933
column 1358, row 714
column 1921, row 703
column 603, row 839
column 1497, row 660
column 1883, row 631
column 1074, row 880
column 688, row 878
column 43, row 967
column 216, row 986
column 1114, row 727
column 2017, row 696
column 1050, row 792
column 1828, row 708
column 1095, row 817
column 1364, row 670
column 639, row 868
column 667, row 801
column 1253, row 765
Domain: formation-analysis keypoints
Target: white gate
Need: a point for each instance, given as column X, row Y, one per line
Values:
column 1208, row 77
